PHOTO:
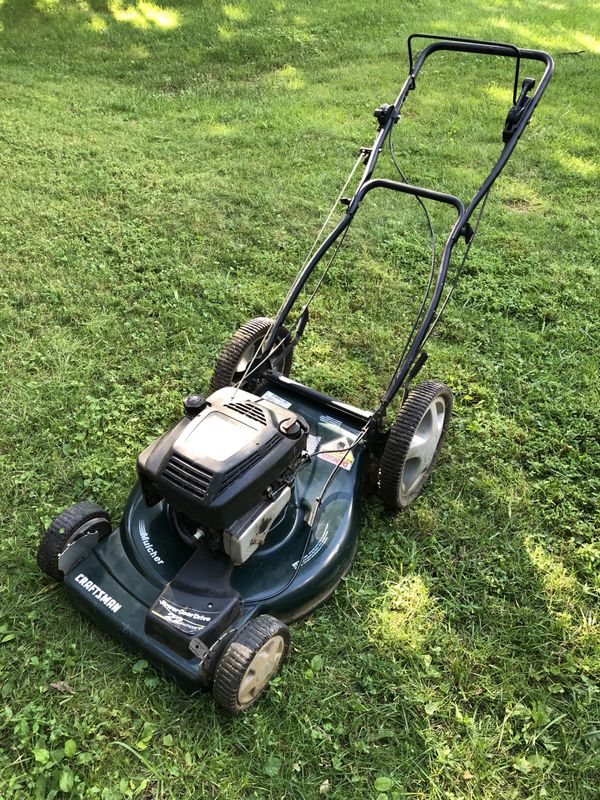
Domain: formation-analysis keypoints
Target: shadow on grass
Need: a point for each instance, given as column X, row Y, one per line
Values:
column 198, row 37
column 96, row 14
column 495, row 637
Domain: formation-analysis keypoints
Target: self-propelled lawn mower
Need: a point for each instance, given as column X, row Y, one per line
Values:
column 246, row 514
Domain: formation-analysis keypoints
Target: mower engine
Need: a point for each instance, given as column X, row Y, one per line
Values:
column 226, row 469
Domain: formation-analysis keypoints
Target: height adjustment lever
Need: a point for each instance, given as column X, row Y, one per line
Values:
column 515, row 114
column 384, row 113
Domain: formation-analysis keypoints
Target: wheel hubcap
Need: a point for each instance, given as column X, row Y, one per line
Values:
column 275, row 362
column 423, row 445
column 246, row 358
column 260, row 670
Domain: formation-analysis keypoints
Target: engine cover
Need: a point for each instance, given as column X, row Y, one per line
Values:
column 216, row 466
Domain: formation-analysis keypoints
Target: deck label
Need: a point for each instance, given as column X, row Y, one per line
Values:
column 341, row 455
column 151, row 550
column 186, row 619
column 275, row 398
column 97, row 592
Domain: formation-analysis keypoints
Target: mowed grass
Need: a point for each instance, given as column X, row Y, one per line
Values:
column 164, row 169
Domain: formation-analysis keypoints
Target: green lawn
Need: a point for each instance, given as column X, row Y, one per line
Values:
column 164, row 169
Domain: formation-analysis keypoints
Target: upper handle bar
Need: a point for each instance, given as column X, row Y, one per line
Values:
column 461, row 40
column 482, row 47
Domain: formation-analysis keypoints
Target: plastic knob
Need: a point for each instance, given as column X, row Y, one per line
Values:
column 194, row 404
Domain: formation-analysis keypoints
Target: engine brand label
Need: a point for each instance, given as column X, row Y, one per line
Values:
column 97, row 592
column 184, row 618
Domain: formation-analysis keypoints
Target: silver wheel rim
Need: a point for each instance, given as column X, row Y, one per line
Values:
column 423, row 446
column 246, row 358
column 261, row 669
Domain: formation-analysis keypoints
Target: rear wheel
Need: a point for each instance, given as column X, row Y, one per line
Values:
column 249, row 662
column 235, row 358
column 66, row 530
column 414, row 443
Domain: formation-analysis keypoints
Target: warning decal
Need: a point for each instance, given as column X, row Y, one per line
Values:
column 275, row 398
column 345, row 457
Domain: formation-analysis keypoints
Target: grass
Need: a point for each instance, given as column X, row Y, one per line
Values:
column 164, row 169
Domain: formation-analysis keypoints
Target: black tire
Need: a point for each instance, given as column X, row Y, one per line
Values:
column 402, row 477
column 233, row 358
column 74, row 522
column 229, row 689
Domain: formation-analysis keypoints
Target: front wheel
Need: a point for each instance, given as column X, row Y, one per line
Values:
column 249, row 662
column 414, row 443
column 61, row 545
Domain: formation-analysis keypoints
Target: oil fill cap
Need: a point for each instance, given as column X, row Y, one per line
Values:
column 291, row 427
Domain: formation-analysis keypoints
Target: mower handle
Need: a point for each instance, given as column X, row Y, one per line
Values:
column 518, row 117
column 476, row 46
column 522, row 104
column 406, row 188
column 481, row 46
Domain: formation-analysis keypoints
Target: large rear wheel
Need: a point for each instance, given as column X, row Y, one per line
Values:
column 236, row 356
column 414, row 443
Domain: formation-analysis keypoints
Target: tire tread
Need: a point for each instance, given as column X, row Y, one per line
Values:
column 230, row 355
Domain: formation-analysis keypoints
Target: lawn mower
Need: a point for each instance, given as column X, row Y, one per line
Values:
column 246, row 513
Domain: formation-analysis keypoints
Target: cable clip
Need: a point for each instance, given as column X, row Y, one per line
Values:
column 467, row 231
